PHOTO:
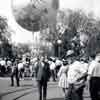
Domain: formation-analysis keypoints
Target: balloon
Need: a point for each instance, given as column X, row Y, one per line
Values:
column 34, row 15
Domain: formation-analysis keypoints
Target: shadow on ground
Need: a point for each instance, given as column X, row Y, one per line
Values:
column 56, row 99
column 28, row 85
column 63, row 98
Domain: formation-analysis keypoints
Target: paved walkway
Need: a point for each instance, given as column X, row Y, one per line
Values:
column 28, row 91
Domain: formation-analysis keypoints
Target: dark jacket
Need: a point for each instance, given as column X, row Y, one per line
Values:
column 15, row 71
column 42, row 71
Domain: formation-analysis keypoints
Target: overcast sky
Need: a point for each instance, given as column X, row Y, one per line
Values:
column 86, row 5
column 21, row 35
column 24, row 36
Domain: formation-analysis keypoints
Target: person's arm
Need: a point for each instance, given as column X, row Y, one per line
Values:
column 89, row 73
column 90, row 70
column 49, row 73
column 84, row 76
column 84, row 72
column 59, row 72
column 36, row 67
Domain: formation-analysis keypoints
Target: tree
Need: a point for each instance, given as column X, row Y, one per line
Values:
column 4, row 30
column 5, row 37
column 93, row 46
column 23, row 48
column 80, row 24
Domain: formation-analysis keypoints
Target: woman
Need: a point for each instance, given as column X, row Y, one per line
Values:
column 62, row 75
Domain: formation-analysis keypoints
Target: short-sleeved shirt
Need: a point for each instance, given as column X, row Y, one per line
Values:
column 52, row 66
column 2, row 62
column 76, row 70
column 94, row 69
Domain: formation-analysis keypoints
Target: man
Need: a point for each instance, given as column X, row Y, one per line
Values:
column 42, row 76
column 3, row 66
column 15, row 73
column 21, row 69
column 58, row 64
column 52, row 69
column 76, row 79
column 94, row 78
column 9, row 64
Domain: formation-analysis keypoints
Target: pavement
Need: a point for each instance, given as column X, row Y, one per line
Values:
column 28, row 91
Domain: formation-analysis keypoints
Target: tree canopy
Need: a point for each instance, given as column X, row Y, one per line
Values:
column 5, row 38
column 78, row 27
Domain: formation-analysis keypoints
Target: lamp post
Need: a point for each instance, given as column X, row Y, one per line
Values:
column 59, row 42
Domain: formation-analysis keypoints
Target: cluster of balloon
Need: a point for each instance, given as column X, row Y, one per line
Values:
column 34, row 15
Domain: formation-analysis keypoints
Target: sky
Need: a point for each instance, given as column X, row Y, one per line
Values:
column 86, row 5
column 21, row 35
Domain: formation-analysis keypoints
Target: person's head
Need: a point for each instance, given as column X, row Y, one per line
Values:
column 77, row 58
column 46, row 60
column 84, row 59
column 65, row 62
column 46, row 56
column 70, row 61
column 42, row 58
column 93, row 56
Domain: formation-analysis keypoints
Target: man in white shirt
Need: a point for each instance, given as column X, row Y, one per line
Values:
column 9, row 65
column 77, row 76
column 52, row 69
column 94, row 78
column 3, row 62
column 58, row 64
column 21, row 69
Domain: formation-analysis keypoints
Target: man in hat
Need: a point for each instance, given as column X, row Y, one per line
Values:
column 94, row 78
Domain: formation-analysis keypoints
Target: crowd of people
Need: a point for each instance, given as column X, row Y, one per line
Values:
column 5, row 66
column 72, row 75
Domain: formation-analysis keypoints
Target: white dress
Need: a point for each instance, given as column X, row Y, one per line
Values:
column 62, row 74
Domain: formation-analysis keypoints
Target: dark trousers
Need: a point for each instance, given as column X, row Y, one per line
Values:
column 8, row 69
column 12, row 79
column 3, row 70
column 42, row 89
column 53, row 75
column 73, row 94
column 57, row 69
column 80, row 93
column 95, row 88
column 21, row 73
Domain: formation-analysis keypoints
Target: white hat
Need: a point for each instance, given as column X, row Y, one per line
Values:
column 70, row 52
column 64, row 60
